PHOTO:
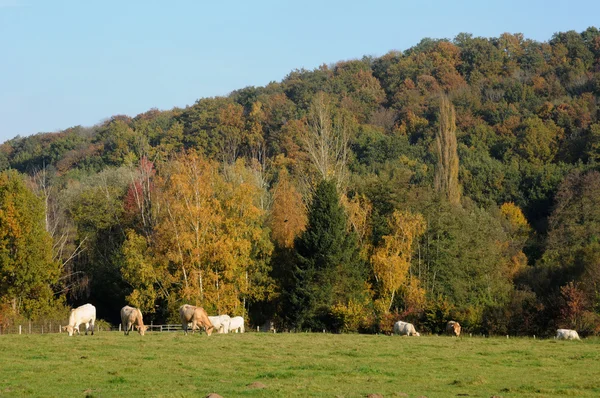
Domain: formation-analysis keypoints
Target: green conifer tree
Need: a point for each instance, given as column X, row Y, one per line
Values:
column 328, row 269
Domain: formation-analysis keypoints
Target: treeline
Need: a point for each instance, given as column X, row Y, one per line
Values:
column 457, row 179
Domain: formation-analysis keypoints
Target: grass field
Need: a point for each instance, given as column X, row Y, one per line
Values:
column 295, row 365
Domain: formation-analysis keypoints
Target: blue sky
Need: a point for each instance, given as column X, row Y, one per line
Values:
column 67, row 63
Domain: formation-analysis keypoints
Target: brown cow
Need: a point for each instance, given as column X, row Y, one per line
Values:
column 195, row 315
column 131, row 316
column 453, row 328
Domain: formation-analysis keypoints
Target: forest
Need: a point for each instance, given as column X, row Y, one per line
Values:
column 458, row 179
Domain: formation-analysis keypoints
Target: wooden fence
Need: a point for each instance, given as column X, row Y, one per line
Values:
column 41, row 328
column 56, row 327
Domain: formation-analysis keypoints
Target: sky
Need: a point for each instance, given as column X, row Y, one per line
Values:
column 68, row 63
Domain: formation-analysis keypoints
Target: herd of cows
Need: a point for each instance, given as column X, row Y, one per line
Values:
column 191, row 316
column 196, row 317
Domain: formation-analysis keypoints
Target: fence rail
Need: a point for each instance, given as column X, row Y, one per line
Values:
column 39, row 328
column 56, row 327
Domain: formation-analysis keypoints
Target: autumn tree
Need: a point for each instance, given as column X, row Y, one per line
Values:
column 288, row 215
column 209, row 245
column 446, row 171
column 27, row 269
column 391, row 259
column 326, row 140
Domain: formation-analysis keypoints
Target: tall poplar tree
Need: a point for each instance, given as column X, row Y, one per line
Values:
column 446, row 171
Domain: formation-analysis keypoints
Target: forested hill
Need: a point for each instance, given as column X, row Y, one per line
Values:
column 456, row 179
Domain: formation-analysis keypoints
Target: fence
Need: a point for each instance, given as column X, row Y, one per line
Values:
column 29, row 327
column 56, row 327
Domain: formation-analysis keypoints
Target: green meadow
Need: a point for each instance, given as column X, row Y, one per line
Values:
column 295, row 365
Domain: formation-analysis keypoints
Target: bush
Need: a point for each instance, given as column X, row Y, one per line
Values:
column 352, row 317
column 386, row 322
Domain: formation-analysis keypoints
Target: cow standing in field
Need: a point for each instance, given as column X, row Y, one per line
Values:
column 453, row 328
column 84, row 314
column 131, row 316
column 236, row 323
column 220, row 322
column 566, row 334
column 197, row 316
column 405, row 329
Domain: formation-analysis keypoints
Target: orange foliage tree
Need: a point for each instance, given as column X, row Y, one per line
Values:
column 288, row 214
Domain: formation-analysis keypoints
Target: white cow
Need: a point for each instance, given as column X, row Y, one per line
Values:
column 236, row 323
column 131, row 316
column 220, row 322
column 405, row 329
column 566, row 334
column 84, row 314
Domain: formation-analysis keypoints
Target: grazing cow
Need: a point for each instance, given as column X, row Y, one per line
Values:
column 84, row 314
column 405, row 329
column 566, row 334
column 197, row 316
column 236, row 323
column 453, row 328
column 220, row 322
column 131, row 316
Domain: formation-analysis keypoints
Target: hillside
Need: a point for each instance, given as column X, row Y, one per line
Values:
column 456, row 179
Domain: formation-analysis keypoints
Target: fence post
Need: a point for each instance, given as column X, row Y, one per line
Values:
column 119, row 327
column 59, row 329
column 161, row 327
column 19, row 329
column 42, row 329
column 29, row 327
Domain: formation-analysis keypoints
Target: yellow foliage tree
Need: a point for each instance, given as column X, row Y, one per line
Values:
column 517, row 229
column 391, row 260
column 209, row 243
column 359, row 210
column 288, row 214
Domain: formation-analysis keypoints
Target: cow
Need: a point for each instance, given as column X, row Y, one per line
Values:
column 236, row 323
column 220, row 322
column 566, row 334
column 131, row 316
column 405, row 329
column 84, row 314
column 197, row 316
column 453, row 328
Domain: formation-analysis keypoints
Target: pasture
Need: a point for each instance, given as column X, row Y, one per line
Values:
column 287, row 365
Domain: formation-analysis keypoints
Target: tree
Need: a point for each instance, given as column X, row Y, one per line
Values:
column 391, row 259
column 27, row 270
column 538, row 141
column 326, row 140
column 328, row 270
column 446, row 172
column 208, row 245
column 288, row 214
